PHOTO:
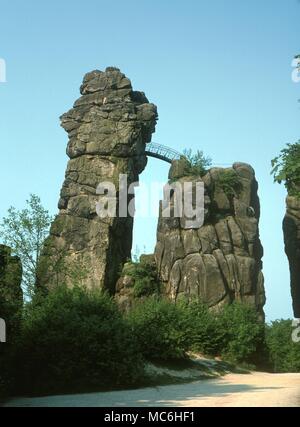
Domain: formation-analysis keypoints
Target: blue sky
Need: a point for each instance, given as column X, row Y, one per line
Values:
column 218, row 70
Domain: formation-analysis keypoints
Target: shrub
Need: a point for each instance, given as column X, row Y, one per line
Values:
column 167, row 331
column 286, row 168
column 284, row 353
column 74, row 339
column 145, row 278
column 243, row 334
column 159, row 326
column 199, row 164
column 11, row 311
column 202, row 328
column 229, row 182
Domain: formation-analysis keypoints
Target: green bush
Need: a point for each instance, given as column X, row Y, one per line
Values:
column 76, row 340
column 235, row 332
column 284, row 353
column 71, row 340
column 6, row 349
column 243, row 334
column 230, row 183
column 199, row 164
column 202, row 329
column 159, row 326
column 167, row 331
column 145, row 278
column 286, row 168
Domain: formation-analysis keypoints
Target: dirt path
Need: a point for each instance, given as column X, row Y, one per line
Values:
column 256, row 389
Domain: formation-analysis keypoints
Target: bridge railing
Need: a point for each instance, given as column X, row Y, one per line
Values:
column 168, row 154
column 162, row 152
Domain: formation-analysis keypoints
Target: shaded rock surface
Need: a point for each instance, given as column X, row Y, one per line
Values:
column 108, row 128
column 219, row 262
column 291, row 230
column 11, row 295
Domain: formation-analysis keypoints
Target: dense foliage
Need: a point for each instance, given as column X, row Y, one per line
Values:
column 243, row 334
column 166, row 330
column 25, row 231
column 203, row 329
column 159, row 326
column 286, row 168
column 145, row 278
column 198, row 162
column 284, row 352
column 70, row 340
column 76, row 340
column 230, row 183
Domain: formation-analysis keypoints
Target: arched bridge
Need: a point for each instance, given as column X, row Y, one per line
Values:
column 167, row 154
column 162, row 152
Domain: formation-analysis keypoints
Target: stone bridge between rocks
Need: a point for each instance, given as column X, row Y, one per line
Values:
column 162, row 152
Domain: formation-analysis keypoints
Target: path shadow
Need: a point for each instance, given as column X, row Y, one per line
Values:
column 163, row 396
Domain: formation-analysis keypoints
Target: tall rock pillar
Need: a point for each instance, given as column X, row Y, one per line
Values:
column 221, row 261
column 108, row 129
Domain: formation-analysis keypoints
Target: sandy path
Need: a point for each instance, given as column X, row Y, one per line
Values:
column 256, row 389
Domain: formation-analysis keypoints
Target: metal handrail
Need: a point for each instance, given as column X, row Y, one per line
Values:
column 162, row 152
column 168, row 154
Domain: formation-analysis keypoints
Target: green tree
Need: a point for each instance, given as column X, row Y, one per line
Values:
column 202, row 328
column 159, row 326
column 199, row 164
column 283, row 351
column 243, row 334
column 286, row 168
column 25, row 231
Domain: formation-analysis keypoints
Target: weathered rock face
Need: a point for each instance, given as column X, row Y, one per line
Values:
column 219, row 262
column 291, row 230
column 108, row 128
column 11, row 295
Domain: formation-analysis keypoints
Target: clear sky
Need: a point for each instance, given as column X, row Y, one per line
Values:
column 218, row 70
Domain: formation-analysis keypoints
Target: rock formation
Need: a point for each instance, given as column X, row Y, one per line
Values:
column 291, row 230
column 219, row 262
column 108, row 128
column 11, row 295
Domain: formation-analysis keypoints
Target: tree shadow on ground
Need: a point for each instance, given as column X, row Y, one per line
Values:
column 164, row 396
